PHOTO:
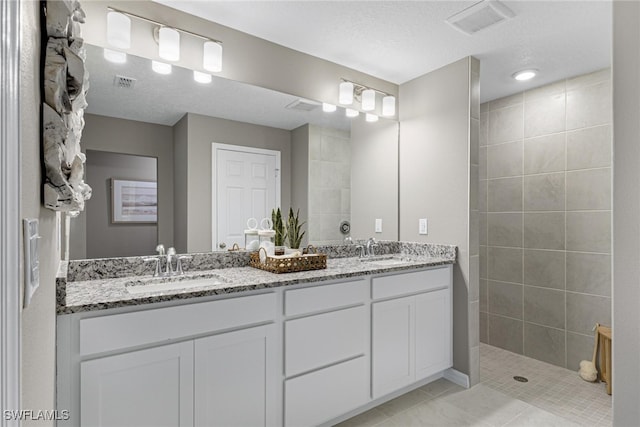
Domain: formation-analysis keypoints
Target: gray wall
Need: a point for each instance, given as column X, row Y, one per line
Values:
column 300, row 175
column 137, row 138
column 546, row 219
column 104, row 238
column 626, row 208
column 180, row 183
column 374, row 178
column 439, row 181
column 202, row 132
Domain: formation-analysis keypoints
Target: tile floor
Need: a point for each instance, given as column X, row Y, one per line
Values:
column 553, row 396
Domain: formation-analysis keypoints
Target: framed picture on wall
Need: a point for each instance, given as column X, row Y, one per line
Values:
column 134, row 201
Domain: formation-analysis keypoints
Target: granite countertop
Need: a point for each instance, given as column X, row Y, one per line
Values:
column 104, row 293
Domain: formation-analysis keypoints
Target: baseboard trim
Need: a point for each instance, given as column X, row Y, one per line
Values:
column 457, row 377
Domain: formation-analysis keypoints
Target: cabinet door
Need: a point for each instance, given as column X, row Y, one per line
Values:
column 433, row 332
column 151, row 387
column 235, row 381
column 393, row 346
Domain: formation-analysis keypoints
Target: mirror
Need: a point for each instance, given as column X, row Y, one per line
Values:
column 136, row 114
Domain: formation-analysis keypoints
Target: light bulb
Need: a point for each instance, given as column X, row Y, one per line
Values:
column 345, row 95
column 118, row 30
column 201, row 77
column 115, row 56
column 212, row 56
column 350, row 112
column 368, row 99
column 389, row 105
column 328, row 108
column 161, row 67
column 371, row 118
column 169, row 44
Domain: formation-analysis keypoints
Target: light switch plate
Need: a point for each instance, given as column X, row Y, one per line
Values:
column 378, row 225
column 422, row 226
column 31, row 259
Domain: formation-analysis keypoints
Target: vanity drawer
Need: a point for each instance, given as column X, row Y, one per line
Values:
column 320, row 396
column 408, row 283
column 120, row 331
column 324, row 297
column 315, row 341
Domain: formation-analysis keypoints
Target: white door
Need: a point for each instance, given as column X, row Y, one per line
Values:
column 433, row 333
column 246, row 184
column 151, row 387
column 236, row 375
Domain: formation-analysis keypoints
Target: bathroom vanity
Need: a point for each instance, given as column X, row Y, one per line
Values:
column 256, row 348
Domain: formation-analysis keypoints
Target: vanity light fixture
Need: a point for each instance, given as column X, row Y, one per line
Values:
column 367, row 96
column 524, row 75
column 368, row 99
column 201, row 77
column 345, row 96
column 169, row 44
column 371, row 118
column 212, row 56
column 350, row 112
column 114, row 56
column 389, row 106
column 118, row 30
column 328, row 108
column 161, row 67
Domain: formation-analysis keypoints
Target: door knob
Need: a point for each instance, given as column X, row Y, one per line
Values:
column 222, row 245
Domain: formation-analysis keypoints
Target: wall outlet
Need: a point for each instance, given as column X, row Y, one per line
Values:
column 378, row 225
column 422, row 226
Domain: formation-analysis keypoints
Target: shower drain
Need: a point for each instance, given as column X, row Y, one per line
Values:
column 521, row 379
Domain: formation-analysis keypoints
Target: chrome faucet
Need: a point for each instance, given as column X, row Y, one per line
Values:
column 371, row 244
column 171, row 252
column 168, row 256
column 360, row 249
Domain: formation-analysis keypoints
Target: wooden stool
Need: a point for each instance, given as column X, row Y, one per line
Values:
column 604, row 335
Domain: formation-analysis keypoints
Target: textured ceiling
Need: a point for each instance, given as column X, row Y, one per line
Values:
column 401, row 40
column 180, row 94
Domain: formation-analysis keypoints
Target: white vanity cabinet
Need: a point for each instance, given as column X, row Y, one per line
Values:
column 411, row 328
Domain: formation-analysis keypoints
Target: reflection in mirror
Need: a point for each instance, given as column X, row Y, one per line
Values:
column 136, row 112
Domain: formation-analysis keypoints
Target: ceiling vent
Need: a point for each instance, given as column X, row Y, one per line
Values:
column 480, row 16
column 124, row 82
column 303, row 105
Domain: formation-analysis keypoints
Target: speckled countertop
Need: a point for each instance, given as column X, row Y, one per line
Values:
column 104, row 293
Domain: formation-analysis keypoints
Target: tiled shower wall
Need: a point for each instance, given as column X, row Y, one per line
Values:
column 545, row 219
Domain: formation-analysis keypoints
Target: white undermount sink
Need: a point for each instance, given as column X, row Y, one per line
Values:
column 386, row 261
column 163, row 284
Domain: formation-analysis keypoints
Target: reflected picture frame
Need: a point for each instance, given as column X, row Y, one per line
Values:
column 134, row 201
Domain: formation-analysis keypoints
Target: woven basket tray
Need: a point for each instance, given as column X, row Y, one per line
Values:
column 289, row 265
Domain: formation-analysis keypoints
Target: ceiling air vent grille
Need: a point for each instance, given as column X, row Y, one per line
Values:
column 303, row 105
column 124, row 82
column 480, row 16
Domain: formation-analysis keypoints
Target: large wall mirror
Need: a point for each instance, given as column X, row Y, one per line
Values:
column 143, row 126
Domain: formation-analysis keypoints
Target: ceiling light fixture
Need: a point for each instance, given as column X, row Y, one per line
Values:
column 328, row 108
column 115, row 56
column 201, row 77
column 345, row 96
column 161, row 67
column 368, row 100
column 525, row 74
column 389, row 106
column 118, row 30
column 212, row 56
column 367, row 96
column 350, row 112
column 371, row 118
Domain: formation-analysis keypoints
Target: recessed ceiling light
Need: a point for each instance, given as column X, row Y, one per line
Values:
column 525, row 74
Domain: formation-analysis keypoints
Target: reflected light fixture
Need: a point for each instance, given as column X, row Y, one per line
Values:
column 328, row 108
column 115, row 56
column 169, row 44
column 118, row 30
column 161, row 67
column 524, row 75
column 212, row 56
column 368, row 99
column 201, row 77
column 389, row 106
column 350, row 112
column 345, row 95
column 371, row 117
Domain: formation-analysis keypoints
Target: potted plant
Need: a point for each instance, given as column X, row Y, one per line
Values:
column 278, row 227
column 294, row 226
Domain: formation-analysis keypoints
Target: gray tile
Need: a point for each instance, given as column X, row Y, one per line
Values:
column 589, row 231
column 483, row 295
column 544, row 154
column 505, row 125
column 544, row 192
column 504, row 264
column 483, row 262
column 474, row 324
column 545, row 91
column 507, row 101
column 546, row 344
column 589, row 148
column 584, row 311
column 589, row 106
column 535, row 417
column 474, row 187
column 484, row 108
column 505, row 299
column 483, row 328
column 589, row 189
column 483, row 228
column 404, row 402
column 544, row 306
column 544, row 115
column 579, row 348
column 505, row 195
column 474, row 365
column 589, row 79
column 434, row 413
column 484, row 128
column 366, row 419
column 504, row 160
column 544, row 268
column 475, row 90
column 474, row 142
column 505, row 333
column 589, row 273
column 474, row 278
column 544, row 230
column 482, row 195
column 482, row 162
column 439, row 387
column 504, row 229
